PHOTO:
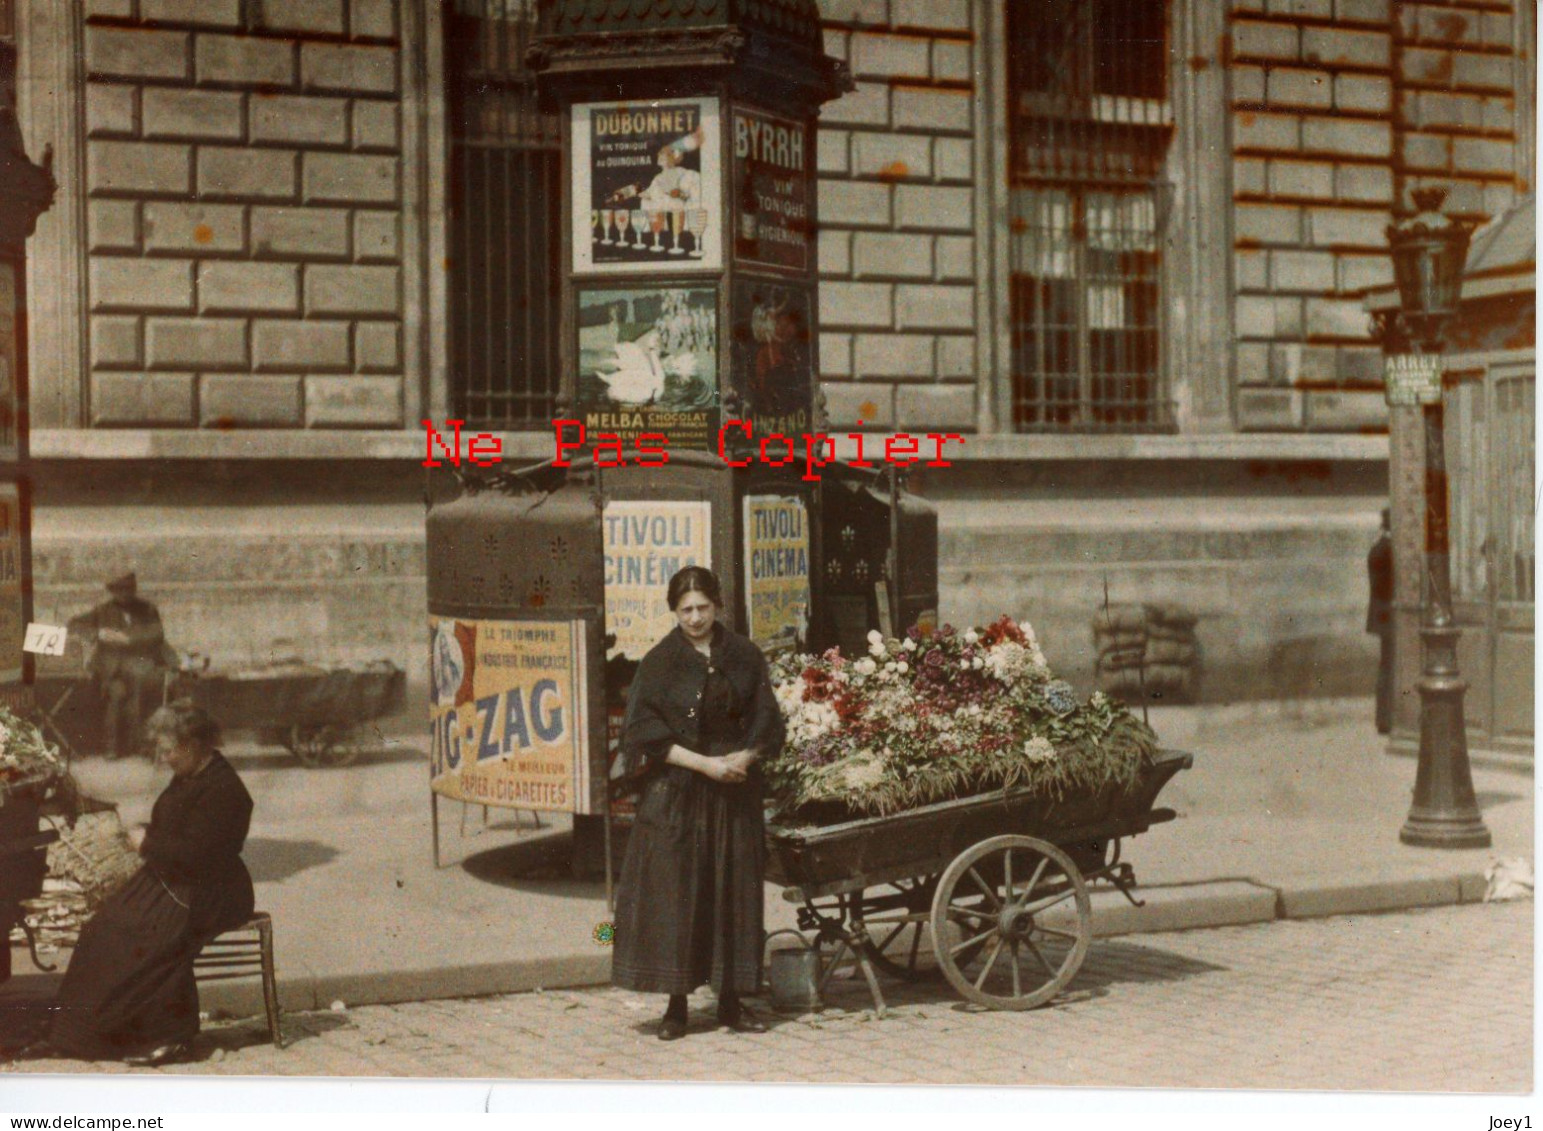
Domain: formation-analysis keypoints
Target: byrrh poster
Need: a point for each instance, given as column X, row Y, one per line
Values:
column 647, row 186
column 648, row 364
column 777, row 571
column 508, row 715
column 772, row 224
column 646, row 543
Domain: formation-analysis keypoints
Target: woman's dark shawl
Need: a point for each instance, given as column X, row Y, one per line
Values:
column 663, row 702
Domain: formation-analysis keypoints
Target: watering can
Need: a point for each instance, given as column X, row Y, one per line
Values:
column 795, row 974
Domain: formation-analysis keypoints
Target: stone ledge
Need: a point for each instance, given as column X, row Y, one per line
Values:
column 107, row 444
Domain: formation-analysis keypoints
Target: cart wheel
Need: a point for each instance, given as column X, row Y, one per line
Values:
column 1011, row 922
column 896, row 916
column 324, row 745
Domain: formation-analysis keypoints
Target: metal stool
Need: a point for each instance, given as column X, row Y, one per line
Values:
column 251, row 952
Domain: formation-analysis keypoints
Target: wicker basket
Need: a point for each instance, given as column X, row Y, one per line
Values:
column 94, row 853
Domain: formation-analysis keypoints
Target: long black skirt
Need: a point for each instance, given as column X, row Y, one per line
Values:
column 129, row 987
column 689, row 907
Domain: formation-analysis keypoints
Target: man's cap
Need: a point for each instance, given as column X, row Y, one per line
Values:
column 125, row 581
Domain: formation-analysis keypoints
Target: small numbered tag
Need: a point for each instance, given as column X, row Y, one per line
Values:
column 45, row 638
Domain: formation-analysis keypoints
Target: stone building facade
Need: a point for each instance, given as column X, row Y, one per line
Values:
column 252, row 293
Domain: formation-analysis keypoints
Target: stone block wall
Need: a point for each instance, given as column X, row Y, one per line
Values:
column 244, row 223
column 897, row 166
column 1313, row 187
column 1457, row 103
column 1341, row 107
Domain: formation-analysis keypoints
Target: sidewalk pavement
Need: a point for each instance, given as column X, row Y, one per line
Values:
column 1292, row 810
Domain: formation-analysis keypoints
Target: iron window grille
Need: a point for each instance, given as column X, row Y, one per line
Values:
column 1089, row 126
column 504, row 221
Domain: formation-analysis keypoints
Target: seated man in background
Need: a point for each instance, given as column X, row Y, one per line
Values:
column 128, row 659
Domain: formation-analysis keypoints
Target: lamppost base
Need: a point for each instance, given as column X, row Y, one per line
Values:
column 1462, row 831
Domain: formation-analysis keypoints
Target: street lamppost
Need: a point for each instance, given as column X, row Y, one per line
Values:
column 1429, row 250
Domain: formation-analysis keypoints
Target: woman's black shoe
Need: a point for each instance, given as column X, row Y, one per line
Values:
column 672, row 1028
column 741, row 1020
column 166, row 1054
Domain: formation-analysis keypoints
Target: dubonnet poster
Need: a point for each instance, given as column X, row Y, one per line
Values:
column 647, row 186
column 648, row 363
column 508, row 723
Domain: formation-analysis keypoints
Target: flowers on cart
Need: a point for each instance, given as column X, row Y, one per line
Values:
column 937, row 715
column 25, row 756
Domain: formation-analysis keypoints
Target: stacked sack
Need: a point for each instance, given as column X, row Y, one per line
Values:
column 1147, row 652
column 1173, row 654
column 1120, row 640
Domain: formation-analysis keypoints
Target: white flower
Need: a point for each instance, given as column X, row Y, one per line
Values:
column 875, row 636
column 965, row 664
column 970, row 637
column 1038, row 749
column 977, row 663
column 902, row 667
column 865, row 666
column 1098, row 699
column 890, row 666
column 909, row 645
column 1006, row 661
column 863, row 772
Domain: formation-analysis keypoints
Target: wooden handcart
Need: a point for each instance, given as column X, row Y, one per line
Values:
column 989, row 892
column 315, row 711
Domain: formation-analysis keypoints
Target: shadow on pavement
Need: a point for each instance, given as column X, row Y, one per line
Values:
column 272, row 861
column 238, row 1034
column 1109, row 964
column 538, row 863
column 1490, row 798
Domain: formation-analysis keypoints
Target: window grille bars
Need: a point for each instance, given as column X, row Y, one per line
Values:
column 504, row 205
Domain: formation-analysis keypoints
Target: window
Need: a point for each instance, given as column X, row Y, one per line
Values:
column 1089, row 125
column 505, row 203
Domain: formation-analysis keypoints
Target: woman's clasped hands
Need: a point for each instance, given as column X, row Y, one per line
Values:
column 730, row 768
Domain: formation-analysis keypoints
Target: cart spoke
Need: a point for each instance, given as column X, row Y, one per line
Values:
column 956, row 911
column 1070, row 935
column 1043, row 961
column 889, row 938
column 1017, row 979
column 955, row 951
column 1007, row 875
column 1051, row 901
column 916, row 942
column 1034, row 880
column 985, row 888
column 990, row 962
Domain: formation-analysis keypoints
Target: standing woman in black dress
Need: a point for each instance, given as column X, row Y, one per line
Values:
column 700, row 714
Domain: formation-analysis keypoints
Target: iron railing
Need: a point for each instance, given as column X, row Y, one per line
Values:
column 1089, row 126
column 505, row 201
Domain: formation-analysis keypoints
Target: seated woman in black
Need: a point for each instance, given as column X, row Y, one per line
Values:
column 689, row 910
column 129, row 992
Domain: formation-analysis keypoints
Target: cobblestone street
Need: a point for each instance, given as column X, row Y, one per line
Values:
column 1435, row 1000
